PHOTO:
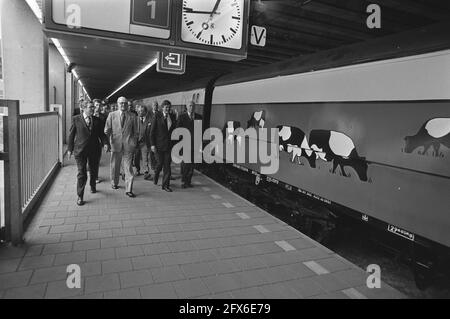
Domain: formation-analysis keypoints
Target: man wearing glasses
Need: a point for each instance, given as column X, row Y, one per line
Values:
column 121, row 128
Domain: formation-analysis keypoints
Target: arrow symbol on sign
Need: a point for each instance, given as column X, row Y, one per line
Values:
column 173, row 57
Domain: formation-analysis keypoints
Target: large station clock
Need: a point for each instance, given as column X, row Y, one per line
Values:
column 218, row 23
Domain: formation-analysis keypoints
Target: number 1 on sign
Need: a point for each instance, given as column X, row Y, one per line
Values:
column 152, row 5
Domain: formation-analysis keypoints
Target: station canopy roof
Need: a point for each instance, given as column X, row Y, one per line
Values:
column 295, row 28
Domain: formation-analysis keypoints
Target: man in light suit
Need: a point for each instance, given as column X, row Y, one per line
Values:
column 122, row 129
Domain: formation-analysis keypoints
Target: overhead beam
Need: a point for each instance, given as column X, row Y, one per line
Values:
column 297, row 18
column 299, row 39
column 349, row 15
column 417, row 8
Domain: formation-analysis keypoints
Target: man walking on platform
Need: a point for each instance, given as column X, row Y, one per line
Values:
column 152, row 113
column 162, row 127
column 85, row 140
column 141, row 159
column 121, row 128
column 186, row 120
column 98, row 113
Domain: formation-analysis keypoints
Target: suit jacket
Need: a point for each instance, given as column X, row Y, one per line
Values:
column 122, row 139
column 185, row 121
column 82, row 139
column 102, row 117
column 160, row 136
column 144, row 130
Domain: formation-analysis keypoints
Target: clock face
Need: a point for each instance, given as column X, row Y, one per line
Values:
column 213, row 22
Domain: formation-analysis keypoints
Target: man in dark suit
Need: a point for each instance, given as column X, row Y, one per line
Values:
column 143, row 148
column 162, row 127
column 151, row 114
column 85, row 140
column 186, row 120
column 131, row 108
column 102, row 117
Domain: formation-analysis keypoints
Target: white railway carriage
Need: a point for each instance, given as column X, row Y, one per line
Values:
column 372, row 142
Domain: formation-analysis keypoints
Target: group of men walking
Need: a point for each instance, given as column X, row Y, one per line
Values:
column 138, row 138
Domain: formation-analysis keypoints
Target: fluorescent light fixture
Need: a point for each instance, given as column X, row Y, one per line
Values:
column 61, row 50
column 35, row 8
column 86, row 93
column 134, row 77
column 75, row 74
column 67, row 61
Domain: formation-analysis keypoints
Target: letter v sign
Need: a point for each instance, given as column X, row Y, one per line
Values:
column 258, row 36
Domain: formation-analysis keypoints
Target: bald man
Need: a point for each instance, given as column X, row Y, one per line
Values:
column 122, row 129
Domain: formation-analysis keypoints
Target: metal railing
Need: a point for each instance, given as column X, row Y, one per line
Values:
column 31, row 155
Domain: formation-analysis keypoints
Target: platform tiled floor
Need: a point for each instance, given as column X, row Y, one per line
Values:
column 202, row 242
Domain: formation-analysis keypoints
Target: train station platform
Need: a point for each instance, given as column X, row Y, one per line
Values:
column 202, row 242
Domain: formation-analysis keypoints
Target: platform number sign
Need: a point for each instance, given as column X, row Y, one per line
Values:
column 151, row 13
column 258, row 36
column 216, row 29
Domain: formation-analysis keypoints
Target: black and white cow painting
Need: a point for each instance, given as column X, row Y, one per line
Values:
column 258, row 120
column 435, row 132
column 338, row 148
column 229, row 129
column 292, row 140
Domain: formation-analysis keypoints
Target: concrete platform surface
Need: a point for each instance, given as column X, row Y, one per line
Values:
column 201, row 242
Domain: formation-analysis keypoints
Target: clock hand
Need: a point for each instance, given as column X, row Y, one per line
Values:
column 189, row 10
column 215, row 8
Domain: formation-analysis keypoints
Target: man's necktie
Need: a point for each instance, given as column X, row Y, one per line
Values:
column 122, row 119
column 166, row 119
column 88, row 122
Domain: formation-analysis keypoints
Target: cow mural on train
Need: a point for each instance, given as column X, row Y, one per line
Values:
column 325, row 145
column 433, row 133
column 340, row 149
column 293, row 141
column 228, row 130
column 258, row 120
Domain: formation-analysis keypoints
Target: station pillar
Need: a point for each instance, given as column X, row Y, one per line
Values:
column 24, row 57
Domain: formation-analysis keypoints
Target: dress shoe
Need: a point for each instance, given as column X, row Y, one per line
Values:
column 80, row 201
column 168, row 189
column 130, row 194
column 148, row 177
column 97, row 181
column 114, row 187
column 93, row 190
